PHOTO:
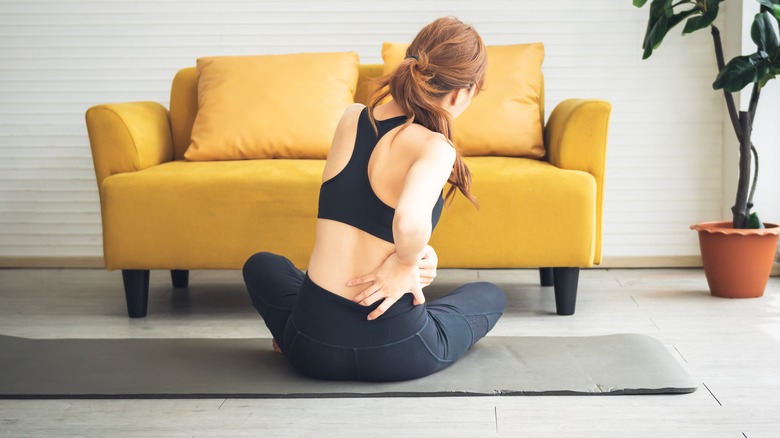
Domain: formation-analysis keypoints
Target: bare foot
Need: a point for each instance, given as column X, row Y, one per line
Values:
column 276, row 346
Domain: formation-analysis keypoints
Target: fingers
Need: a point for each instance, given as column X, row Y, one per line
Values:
column 370, row 278
column 417, row 293
column 427, row 275
column 369, row 296
column 426, row 264
column 419, row 297
column 382, row 308
column 428, row 260
column 428, row 272
column 361, row 280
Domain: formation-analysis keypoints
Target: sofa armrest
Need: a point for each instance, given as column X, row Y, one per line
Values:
column 576, row 138
column 126, row 137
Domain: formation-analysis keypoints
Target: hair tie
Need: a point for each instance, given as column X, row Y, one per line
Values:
column 413, row 57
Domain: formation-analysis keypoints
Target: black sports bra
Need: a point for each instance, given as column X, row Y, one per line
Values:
column 348, row 196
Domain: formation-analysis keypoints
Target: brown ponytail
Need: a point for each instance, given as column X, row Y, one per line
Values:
column 445, row 55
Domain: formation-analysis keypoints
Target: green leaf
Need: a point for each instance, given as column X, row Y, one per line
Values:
column 656, row 35
column 742, row 70
column 678, row 18
column 639, row 3
column 763, row 33
column 657, row 26
column 703, row 20
column 771, row 74
column 755, row 222
column 773, row 5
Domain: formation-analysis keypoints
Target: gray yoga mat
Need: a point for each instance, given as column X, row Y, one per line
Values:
column 248, row 368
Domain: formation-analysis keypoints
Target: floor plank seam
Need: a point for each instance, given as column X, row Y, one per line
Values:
column 712, row 394
column 654, row 324
column 678, row 352
column 495, row 415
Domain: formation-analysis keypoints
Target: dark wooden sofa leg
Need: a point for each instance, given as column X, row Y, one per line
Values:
column 565, row 280
column 180, row 278
column 136, row 291
column 546, row 276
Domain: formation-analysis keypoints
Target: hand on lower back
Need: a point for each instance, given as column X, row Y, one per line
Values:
column 389, row 283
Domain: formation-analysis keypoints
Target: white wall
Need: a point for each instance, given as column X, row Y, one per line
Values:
column 58, row 58
column 766, row 137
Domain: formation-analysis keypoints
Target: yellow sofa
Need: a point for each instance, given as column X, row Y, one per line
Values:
column 162, row 212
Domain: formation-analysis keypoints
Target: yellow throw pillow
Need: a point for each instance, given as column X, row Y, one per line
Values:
column 270, row 106
column 505, row 118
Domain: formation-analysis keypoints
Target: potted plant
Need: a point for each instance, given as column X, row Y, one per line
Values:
column 737, row 254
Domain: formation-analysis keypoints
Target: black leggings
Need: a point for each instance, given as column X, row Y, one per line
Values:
column 327, row 336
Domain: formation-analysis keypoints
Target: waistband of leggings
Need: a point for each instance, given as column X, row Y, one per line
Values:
column 333, row 319
column 322, row 293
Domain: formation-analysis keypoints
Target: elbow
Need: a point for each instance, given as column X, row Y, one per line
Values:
column 410, row 227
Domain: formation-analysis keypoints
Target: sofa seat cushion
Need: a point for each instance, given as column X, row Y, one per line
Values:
column 532, row 214
column 173, row 215
column 270, row 205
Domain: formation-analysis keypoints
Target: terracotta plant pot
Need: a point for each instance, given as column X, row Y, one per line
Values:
column 737, row 262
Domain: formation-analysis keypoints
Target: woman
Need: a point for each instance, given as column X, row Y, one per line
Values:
column 350, row 316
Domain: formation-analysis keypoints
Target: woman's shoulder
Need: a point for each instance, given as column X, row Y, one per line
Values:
column 355, row 107
column 352, row 112
column 423, row 142
column 349, row 118
column 416, row 135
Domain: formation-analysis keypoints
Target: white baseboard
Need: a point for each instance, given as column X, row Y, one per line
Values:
column 651, row 262
column 51, row 262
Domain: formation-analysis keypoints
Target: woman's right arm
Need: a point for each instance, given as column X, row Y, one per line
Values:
column 422, row 188
column 399, row 273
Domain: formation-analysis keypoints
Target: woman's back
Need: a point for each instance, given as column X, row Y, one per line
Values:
column 342, row 251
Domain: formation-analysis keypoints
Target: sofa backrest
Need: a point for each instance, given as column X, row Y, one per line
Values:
column 184, row 107
column 184, row 102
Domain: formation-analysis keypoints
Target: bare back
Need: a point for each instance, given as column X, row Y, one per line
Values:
column 343, row 252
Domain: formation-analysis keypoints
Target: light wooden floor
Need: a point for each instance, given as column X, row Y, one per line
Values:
column 732, row 347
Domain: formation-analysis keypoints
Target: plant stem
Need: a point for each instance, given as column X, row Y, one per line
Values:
column 739, row 210
column 729, row 97
column 754, row 95
column 755, row 179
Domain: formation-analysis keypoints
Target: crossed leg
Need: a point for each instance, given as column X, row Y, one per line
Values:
column 273, row 283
